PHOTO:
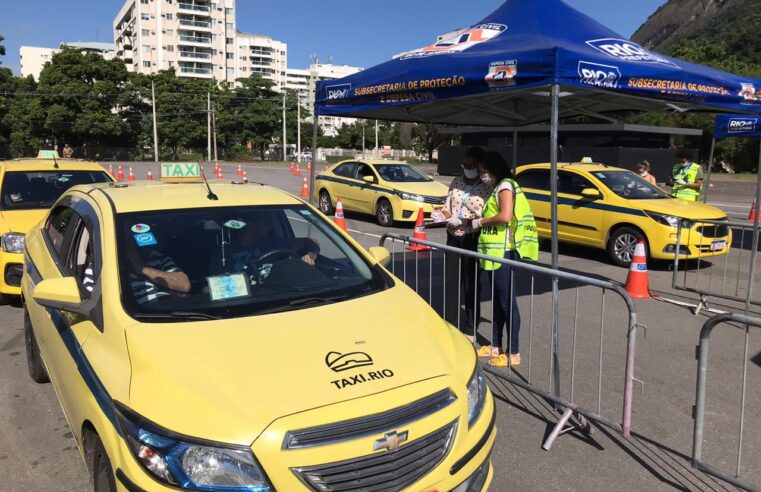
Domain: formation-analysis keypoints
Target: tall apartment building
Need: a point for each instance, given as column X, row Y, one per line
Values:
column 196, row 38
column 260, row 54
column 33, row 59
column 305, row 82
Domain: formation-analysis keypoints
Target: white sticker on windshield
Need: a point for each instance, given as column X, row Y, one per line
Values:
column 235, row 224
column 224, row 287
column 16, row 197
column 140, row 228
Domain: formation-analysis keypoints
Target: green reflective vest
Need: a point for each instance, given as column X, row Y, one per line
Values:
column 493, row 240
column 689, row 174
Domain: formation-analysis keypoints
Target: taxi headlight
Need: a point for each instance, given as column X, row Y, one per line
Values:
column 409, row 196
column 670, row 220
column 476, row 394
column 189, row 465
column 13, row 242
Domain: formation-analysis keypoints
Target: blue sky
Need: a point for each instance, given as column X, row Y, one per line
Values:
column 352, row 32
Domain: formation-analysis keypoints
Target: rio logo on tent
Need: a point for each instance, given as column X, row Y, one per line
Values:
column 628, row 51
column 742, row 125
column 338, row 93
column 599, row 75
column 502, row 73
column 457, row 41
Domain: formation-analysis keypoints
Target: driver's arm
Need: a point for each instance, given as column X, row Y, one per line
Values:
column 310, row 247
column 177, row 281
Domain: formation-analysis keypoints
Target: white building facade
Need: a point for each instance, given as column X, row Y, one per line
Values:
column 262, row 55
column 327, row 71
column 33, row 59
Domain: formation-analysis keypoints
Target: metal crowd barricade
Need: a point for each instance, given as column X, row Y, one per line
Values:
column 747, row 322
column 730, row 276
column 425, row 272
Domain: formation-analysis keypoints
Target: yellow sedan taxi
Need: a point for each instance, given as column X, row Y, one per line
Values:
column 229, row 337
column 392, row 191
column 28, row 187
column 612, row 209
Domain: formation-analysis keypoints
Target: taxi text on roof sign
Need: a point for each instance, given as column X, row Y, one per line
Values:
column 181, row 171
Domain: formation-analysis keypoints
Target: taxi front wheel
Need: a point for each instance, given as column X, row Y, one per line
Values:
column 101, row 471
column 325, row 203
column 384, row 213
column 33, row 359
column 622, row 243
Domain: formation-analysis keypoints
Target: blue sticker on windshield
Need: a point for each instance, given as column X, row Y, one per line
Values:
column 145, row 239
column 306, row 213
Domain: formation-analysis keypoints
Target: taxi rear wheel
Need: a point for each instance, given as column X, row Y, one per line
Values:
column 33, row 359
column 326, row 205
column 384, row 213
column 622, row 243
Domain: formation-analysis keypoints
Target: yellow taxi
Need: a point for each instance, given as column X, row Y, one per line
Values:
column 390, row 190
column 611, row 209
column 229, row 337
column 28, row 187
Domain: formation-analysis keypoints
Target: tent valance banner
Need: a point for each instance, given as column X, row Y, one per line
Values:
column 737, row 125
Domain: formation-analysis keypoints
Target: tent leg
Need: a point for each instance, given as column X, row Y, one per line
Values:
column 555, row 375
column 754, row 251
column 515, row 147
column 707, row 183
column 315, row 126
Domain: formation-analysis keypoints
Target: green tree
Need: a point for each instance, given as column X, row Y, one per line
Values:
column 2, row 48
column 26, row 120
column 427, row 137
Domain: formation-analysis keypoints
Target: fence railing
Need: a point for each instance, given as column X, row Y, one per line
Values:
column 744, row 323
column 722, row 264
column 600, row 379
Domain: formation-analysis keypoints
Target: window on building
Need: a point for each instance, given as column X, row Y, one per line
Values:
column 146, row 48
column 146, row 64
column 230, row 41
column 170, row 32
column 244, row 69
column 170, row 48
column 145, row 32
column 169, row 16
column 228, row 11
column 213, row 38
column 231, row 56
column 171, row 64
column 144, row 2
column 145, row 16
column 229, row 26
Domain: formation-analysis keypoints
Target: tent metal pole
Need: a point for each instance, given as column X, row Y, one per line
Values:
column 554, row 230
column 515, row 147
column 315, row 125
column 707, row 183
column 754, row 251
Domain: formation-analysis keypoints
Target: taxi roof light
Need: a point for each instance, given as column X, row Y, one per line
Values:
column 47, row 154
column 181, row 172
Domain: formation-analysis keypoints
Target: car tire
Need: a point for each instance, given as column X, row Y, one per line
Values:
column 34, row 363
column 621, row 245
column 101, row 471
column 325, row 203
column 384, row 213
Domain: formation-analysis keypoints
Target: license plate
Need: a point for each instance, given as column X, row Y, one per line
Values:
column 718, row 245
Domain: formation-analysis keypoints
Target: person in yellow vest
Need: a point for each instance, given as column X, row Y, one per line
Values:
column 508, row 231
column 686, row 179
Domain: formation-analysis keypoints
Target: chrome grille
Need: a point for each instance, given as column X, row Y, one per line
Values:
column 713, row 230
column 392, row 470
column 368, row 425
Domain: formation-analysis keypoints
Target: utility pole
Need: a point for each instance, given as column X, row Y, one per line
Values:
column 208, row 125
column 298, row 129
column 155, row 129
column 285, row 152
column 377, row 151
column 214, row 126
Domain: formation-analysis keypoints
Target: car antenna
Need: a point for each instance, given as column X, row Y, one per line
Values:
column 55, row 161
column 211, row 195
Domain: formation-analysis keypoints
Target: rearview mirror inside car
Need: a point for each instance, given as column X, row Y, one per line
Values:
column 58, row 293
column 381, row 255
column 591, row 193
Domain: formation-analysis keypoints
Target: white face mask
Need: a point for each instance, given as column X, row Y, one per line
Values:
column 487, row 178
column 470, row 173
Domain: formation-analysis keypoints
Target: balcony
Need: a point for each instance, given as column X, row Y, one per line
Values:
column 196, row 71
column 193, row 7
column 195, row 24
column 195, row 55
column 195, row 39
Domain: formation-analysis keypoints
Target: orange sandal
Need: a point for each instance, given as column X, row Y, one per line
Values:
column 487, row 351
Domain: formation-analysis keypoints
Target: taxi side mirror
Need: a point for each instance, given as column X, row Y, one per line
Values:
column 368, row 179
column 591, row 193
column 58, row 293
column 381, row 255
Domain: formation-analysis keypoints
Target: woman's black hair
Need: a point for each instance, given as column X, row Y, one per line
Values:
column 498, row 166
column 475, row 153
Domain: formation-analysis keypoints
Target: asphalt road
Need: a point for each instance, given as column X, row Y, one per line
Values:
column 38, row 453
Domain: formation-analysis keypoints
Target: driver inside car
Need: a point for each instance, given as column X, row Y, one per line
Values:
column 154, row 274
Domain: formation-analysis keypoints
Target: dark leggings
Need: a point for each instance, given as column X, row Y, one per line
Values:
column 505, row 306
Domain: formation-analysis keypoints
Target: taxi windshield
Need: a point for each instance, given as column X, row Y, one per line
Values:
column 41, row 189
column 213, row 263
column 401, row 173
column 630, row 186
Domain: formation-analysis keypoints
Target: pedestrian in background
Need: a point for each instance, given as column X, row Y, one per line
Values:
column 686, row 179
column 508, row 230
column 465, row 201
column 68, row 152
column 643, row 169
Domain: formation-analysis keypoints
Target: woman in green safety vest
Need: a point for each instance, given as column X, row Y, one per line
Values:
column 508, row 231
column 686, row 179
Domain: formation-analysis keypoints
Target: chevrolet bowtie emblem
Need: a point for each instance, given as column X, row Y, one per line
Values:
column 390, row 441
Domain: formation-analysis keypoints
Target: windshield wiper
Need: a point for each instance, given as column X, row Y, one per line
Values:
column 304, row 302
column 176, row 316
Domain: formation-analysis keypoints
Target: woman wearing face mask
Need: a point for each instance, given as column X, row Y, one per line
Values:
column 508, row 231
column 465, row 201
column 643, row 169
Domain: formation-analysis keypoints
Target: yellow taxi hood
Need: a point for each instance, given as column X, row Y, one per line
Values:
column 21, row 220
column 228, row 380
column 430, row 188
column 680, row 208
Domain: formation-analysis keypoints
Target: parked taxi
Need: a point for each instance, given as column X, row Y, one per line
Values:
column 28, row 187
column 612, row 209
column 228, row 337
column 392, row 191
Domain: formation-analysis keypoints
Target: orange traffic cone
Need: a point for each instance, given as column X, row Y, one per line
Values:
column 217, row 170
column 240, row 171
column 120, row 174
column 637, row 282
column 219, row 173
column 131, row 175
column 111, row 169
column 304, row 188
column 309, row 168
column 339, row 218
column 245, row 175
column 298, row 170
column 752, row 213
column 419, row 234
column 150, row 175
column 293, row 168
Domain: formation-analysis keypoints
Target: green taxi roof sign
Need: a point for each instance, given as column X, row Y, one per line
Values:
column 48, row 154
column 180, row 171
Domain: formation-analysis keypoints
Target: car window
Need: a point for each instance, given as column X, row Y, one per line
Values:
column 572, row 183
column 80, row 259
column 41, row 189
column 401, row 173
column 237, row 261
column 537, row 179
column 628, row 185
column 346, row 170
column 365, row 170
column 60, row 220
